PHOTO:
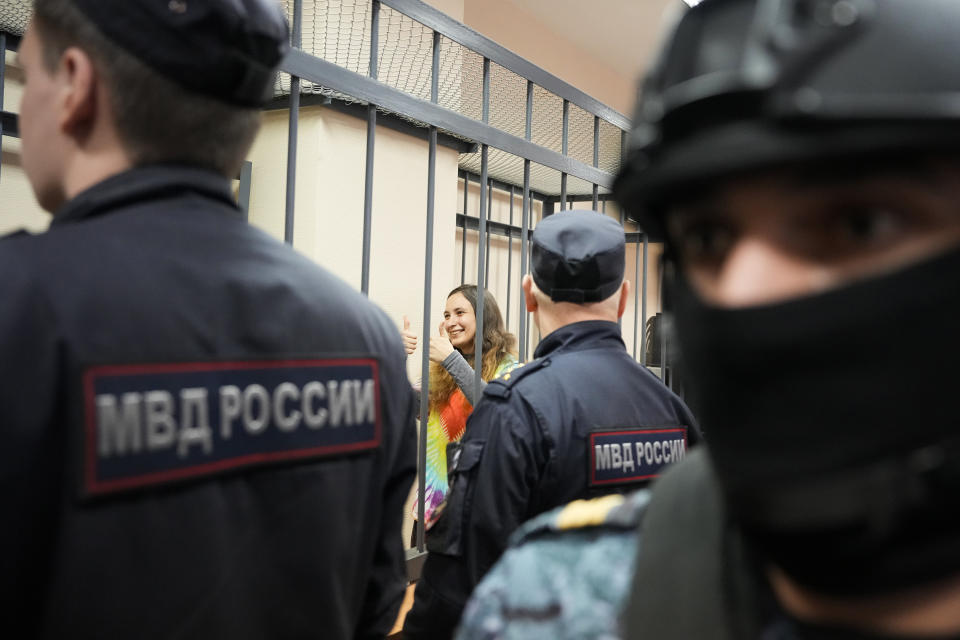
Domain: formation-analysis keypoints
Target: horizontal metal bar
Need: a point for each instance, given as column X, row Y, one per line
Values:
column 386, row 120
column 10, row 124
column 458, row 32
column 497, row 184
column 298, row 63
column 493, row 227
column 602, row 197
column 511, row 231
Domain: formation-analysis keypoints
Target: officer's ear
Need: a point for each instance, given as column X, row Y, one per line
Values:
column 531, row 300
column 79, row 97
column 624, row 296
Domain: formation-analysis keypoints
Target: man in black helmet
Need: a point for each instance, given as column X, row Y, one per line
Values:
column 194, row 445
column 801, row 160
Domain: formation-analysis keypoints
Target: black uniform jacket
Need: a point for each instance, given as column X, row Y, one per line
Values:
column 582, row 420
column 204, row 434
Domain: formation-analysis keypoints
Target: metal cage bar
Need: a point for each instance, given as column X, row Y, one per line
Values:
column 664, row 375
column 363, row 88
column 463, row 236
column 3, row 71
column 509, row 259
column 525, row 225
column 293, row 129
column 427, row 302
column 482, row 238
column 243, row 193
column 596, row 158
column 643, row 336
column 489, row 214
column 481, row 258
column 564, row 149
column 636, row 296
column 371, row 143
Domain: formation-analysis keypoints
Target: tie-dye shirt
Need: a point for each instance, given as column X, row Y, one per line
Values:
column 444, row 426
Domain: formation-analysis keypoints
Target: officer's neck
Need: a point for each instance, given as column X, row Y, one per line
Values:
column 925, row 611
column 93, row 154
column 556, row 315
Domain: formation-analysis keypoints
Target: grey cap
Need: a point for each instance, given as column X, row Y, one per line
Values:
column 578, row 256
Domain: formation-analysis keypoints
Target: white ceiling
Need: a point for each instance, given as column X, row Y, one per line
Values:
column 620, row 33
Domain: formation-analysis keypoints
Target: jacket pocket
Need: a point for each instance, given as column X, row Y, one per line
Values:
column 446, row 535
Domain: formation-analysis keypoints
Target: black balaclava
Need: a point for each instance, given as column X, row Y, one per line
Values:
column 833, row 425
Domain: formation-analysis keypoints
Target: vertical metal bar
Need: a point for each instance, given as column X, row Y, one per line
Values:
column 596, row 157
column 663, row 338
column 486, row 266
column 509, row 257
column 482, row 238
column 293, row 129
column 246, row 177
column 524, row 251
column 620, row 319
column 524, row 227
column 481, row 258
column 564, row 146
column 3, row 71
column 636, row 296
column 427, row 289
column 463, row 245
column 643, row 343
column 371, row 139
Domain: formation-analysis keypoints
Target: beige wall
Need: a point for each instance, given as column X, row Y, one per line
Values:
column 453, row 8
column 328, row 225
column 523, row 33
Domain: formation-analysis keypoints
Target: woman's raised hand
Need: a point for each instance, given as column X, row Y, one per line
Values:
column 440, row 347
column 410, row 339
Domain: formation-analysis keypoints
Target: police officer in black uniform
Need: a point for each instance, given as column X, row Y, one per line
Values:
column 582, row 419
column 802, row 159
column 205, row 435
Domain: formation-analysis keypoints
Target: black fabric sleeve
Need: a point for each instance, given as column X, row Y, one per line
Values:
column 498, row 467
column 388, row 578
column 32, row 458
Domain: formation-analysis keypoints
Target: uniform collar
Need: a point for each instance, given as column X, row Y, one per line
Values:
column 581, row 335
column 140, row 184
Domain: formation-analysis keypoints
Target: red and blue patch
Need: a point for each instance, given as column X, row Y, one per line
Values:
column 151, row 424
column 627, row 456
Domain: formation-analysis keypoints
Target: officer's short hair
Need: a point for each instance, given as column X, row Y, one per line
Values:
column 158, row 121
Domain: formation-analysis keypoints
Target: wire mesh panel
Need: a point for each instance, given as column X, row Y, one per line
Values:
column 508, row 168
column 580, row 135
column 508, row 96
column 547, row 120
column 609, row 147
column 405, row 53
column 14, row 15
column 450, row 77
column 578, row 187
column 337, row 31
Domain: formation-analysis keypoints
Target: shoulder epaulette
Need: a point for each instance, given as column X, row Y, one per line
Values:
column 613, row 512
column 500, row 387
